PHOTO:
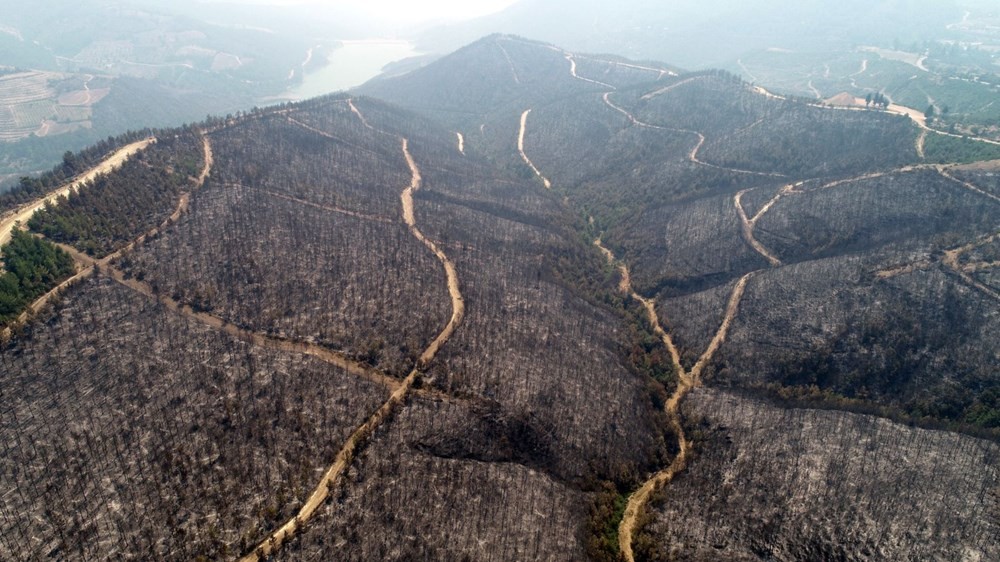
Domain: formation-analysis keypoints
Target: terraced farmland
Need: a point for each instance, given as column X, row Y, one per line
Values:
column 29, row 104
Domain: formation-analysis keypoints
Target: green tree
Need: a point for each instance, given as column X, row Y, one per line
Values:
column 34, row 266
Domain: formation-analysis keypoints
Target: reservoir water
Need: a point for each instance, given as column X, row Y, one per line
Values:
column 351, row 65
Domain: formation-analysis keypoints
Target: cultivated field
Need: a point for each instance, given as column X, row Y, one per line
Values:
column 30, row 105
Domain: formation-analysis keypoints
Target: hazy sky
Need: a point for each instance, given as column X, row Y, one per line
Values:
column 410, row 11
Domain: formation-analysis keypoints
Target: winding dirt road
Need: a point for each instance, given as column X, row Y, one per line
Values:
column 327, row 135
column 749, row 223
column 359, row 115
column 457, row 302
column 692, row 155
column 896, row 271
column 182, row 203
column 952, row 256
column 320, row 206
column 747, row 226
column 344, row 458
column 396, row 399
column 950, row 259
column 980, row 266
column 632, row 118
column 660, row 72
column 814, row 91
column 572, row 71
column 686, row 381
column 340, row 360
column 944, row 172
column 915, row 115
column 520, row 149
column 666, row 89
column 510, row 63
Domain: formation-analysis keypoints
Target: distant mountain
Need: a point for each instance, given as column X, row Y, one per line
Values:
column 698, row 34
column 916, row 52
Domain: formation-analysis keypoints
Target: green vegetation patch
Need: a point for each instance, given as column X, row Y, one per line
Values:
column 944, row 149
column 606, row 515
column 114, row 209
column 30, row 188
column 32, row 267
column 954, row 410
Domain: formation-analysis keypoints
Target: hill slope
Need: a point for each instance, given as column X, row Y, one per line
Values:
column 366, row 332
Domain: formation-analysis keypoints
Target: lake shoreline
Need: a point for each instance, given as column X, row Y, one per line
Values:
column 350, row 64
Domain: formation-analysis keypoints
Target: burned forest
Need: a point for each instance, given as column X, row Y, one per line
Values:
column 517, row 304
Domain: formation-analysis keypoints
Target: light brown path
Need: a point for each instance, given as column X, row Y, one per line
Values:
column 344, row 458
column 868, row 176
column 327, row 135
column 520, row 149
column 686, row 381
column 335, row 358
column 692, row 155
column 510, row 63
column 665, row 89
column 660, row 72
column 632, row 118
column 320, row 206
column 915, row 115
column 951, row 260
column 182, row 203
column 572, row 71
column 816, row 94
column 981, row 166
column 944, row 172
column 361, row 116
column 921, row 140
column 326, row 355
column 457, row 301
column 87, row 264
column 749, row 223
column 747, row 226
column 396, row 399
column 980, row 266
column 82, row 272
column 625, row 286
column 24, row 213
